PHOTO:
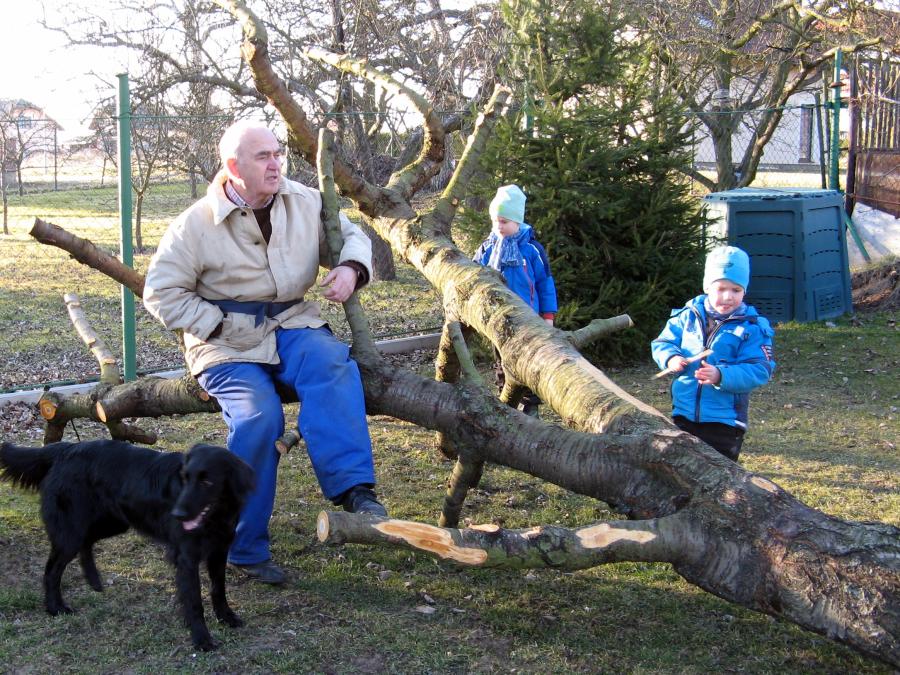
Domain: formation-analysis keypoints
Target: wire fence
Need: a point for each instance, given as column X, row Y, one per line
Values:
column 183, row 147
column 796, row 152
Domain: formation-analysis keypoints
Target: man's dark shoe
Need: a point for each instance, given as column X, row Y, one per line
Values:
column 361, row 499
column 265, row 572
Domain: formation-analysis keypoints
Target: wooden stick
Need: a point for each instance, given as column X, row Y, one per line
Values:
column 288, row 440
column 669, row 371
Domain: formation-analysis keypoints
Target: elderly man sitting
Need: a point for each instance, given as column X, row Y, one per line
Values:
column 231, row 272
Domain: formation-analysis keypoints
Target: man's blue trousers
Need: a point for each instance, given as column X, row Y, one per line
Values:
column 332, row 421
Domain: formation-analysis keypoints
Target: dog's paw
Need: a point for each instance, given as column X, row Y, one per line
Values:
column 62, row 608
column 231, row 619
column 205, row 643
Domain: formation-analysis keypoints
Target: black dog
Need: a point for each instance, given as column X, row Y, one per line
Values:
column 98, row 489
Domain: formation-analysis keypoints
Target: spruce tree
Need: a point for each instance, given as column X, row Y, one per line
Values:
column 596, row 150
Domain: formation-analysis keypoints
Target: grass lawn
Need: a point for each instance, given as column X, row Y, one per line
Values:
column 826, row 428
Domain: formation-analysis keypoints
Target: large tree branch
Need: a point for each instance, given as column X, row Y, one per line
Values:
column 722, row 528
column 363, row 343
column 760, row 22
column 493, row 547
column 736, row 534
column 536, row 354
column 88, row 254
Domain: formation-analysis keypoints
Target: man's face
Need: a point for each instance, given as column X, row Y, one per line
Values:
column 506, row 227
column 257, row 166
column 725, row 296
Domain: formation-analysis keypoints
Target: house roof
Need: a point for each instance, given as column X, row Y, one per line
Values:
column 11, row 106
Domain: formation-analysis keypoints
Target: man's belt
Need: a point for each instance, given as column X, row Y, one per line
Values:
column 260, row 309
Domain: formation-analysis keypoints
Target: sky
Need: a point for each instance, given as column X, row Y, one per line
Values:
column 38, row 67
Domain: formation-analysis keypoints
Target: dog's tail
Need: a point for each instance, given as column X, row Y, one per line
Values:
column 24, row 466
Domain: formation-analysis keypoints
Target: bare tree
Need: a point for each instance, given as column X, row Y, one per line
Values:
column 184, row 44
column 25, row 131
column 102, row 139
column 730, row 532
column 736, row 64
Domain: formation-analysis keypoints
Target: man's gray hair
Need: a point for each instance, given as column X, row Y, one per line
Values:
column 231, row 139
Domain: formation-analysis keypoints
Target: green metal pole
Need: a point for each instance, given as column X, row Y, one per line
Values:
column 834, row 181
column 129, row 361
column 821, row 135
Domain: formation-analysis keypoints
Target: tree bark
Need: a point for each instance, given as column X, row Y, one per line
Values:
column 383, row 267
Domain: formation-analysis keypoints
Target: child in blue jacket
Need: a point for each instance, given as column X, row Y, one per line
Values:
column 710, row 399
column 512, row 250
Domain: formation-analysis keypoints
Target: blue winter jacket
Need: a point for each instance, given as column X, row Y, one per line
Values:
column 742, row 351
column 533, row 281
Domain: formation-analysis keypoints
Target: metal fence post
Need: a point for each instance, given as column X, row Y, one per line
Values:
column 820, row 133
column 835, row 182
column 129, row 361
column 55, row 158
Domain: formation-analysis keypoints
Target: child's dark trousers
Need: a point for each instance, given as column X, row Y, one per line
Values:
column 723, row 437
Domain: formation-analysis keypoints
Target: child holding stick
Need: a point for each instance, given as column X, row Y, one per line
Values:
column 711, row 395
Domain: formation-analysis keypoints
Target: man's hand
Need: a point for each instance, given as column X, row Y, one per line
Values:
column 340, row 282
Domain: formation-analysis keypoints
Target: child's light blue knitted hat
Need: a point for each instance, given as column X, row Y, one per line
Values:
column 727, row 262
column 509, row 202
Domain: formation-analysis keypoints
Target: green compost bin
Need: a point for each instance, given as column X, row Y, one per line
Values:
column 796, row 240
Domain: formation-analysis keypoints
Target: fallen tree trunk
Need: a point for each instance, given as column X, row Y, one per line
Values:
column 740, row 568
column 724, row 529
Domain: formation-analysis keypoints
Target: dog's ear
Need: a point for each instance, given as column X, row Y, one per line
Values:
column 185, row 458
column 241, row 479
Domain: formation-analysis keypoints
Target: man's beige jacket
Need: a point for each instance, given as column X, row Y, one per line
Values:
column 214, row 250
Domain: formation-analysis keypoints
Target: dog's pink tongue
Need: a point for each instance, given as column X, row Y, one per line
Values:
column 192, row 524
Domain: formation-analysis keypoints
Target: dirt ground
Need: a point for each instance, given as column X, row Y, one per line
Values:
column 877, row 289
